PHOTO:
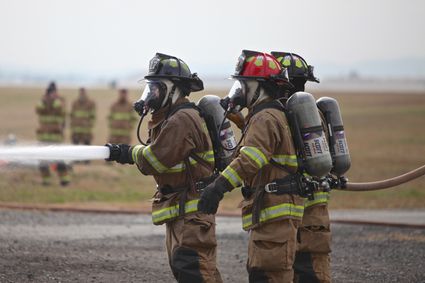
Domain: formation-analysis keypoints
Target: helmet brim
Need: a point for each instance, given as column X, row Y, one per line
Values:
column 194, row 84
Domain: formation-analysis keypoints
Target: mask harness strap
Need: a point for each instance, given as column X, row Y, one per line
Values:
column 256, row 96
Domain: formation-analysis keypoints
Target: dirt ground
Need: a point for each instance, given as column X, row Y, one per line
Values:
column 83, row 247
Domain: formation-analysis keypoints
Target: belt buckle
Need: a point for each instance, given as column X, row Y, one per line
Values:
column 269, row 189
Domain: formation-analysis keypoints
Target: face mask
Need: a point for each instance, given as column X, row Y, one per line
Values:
column 152, row 97
column 242, row 94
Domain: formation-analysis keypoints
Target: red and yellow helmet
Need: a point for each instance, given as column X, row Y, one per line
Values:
column 253, row 65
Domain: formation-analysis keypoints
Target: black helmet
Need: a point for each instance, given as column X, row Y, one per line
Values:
column 296, row 65
column 163, row 66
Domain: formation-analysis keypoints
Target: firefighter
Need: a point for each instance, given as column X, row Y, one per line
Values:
column 121, row 119
column 272, row 213
column 180, row 157
column 51, row 116
column 312, row 261
column 83, row 114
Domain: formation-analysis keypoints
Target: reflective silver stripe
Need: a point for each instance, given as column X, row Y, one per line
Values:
column 284, row 209
column 151, row 158
column 232, row 176
column 256, row 155
column 173, row 211
column 135, row 152
column 319, row 197
column 282, row 159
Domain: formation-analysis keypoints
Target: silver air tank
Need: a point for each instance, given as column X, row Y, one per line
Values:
column 337, row 140
column 309, row 136
column 210, row 105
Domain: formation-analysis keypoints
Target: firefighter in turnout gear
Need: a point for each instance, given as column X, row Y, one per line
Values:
column 312, row 261
column 265, row 165
column 83, row 114
column 51, row 116
column 179, row 155
column 121, row 120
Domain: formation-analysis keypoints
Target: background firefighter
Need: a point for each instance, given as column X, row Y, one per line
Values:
column 51, row 117
column 267, row 154
column 181, row 159
column 121, row 119
column 312, row 261
column 83, row 114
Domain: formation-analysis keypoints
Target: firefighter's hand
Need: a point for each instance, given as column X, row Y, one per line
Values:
column 211, row 196
column 119, row 153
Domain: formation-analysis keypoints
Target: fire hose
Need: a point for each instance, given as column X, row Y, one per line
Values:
column 387, row 183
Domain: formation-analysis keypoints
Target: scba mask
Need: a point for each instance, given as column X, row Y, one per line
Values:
column 155, row 96
column 243, row 94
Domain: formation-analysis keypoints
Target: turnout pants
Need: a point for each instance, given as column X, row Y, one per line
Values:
column 271, row 251
column 191, row 247
column 312, row 263
column 61, row 169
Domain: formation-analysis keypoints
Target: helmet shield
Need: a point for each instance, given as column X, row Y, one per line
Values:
column 153, row 95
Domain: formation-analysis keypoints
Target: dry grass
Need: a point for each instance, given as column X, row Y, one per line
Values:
column 385, row 135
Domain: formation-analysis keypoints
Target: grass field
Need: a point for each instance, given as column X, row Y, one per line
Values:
column 385, row 133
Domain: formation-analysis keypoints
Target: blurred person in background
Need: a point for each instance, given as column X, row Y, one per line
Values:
column 51, row 117
column 83, row 114
column 121, row 119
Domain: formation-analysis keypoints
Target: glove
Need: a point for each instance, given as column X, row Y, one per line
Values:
column 212, row 195
column 119, row 153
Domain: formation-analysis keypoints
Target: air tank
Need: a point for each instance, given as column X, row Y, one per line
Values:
column 309, row 136
column 337, row 141
column 225, row 139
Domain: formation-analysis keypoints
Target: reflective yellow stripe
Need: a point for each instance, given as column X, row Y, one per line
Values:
column 151, row 158
column 50, row 137
column 284, row 209
column 256, row 155
column 207, row 156
column 121, row 116
column 57, row 104
column 82, row 114
column 173, row 211
column 232, row 176
column 51, row 119
column 319, row 197
column 135, row 152
column 81, row 130
column 120, row 132
column 289, row 160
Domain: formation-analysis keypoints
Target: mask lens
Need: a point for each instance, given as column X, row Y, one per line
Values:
column 237, row 95
column 154, row 94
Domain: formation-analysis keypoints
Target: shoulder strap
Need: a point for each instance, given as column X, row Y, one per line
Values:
column 271, row 104
column 188, row 105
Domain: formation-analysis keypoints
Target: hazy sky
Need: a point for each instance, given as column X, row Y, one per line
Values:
column 104, row 36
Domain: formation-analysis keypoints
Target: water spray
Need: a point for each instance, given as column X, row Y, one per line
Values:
column 67, row 153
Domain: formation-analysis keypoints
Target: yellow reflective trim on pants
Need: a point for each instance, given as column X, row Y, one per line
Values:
column 121, row 116
column 81, row 130
column 283, row 159
column 269, row 213
column 50, row 137
column 120, row 132
column 232, row 176
column 173, row 211
column 51, row 119
column 255, row 154
column 153, row 161
column 319, row 197
column 57, row 104
column 135, row 152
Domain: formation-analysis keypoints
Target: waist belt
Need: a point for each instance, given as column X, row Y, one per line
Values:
column 291, row 184
column 199, row 186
